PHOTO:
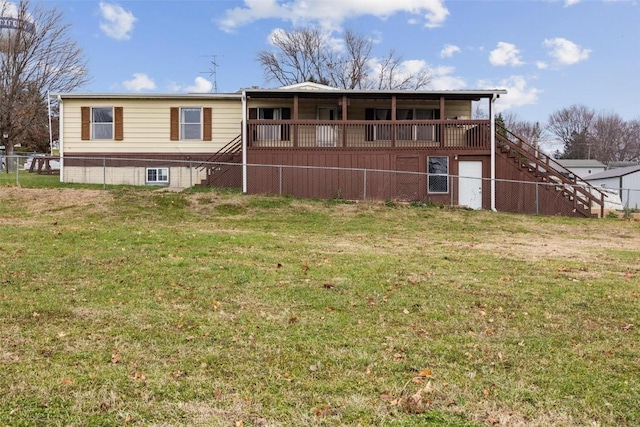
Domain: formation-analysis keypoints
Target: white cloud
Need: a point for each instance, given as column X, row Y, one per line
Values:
column 568, row 3
column 519, row 93
column 505, row 54
column 201, row 85
column 542, row 65
column 139, row 83
column 331, row 14
column 449, row 50
column 442, row 79
column 565, row 51
column 117, row 23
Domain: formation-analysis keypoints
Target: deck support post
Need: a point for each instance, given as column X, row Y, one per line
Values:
column 295, row 118
column 244, row 142
column 492, row 136
column 394, row 105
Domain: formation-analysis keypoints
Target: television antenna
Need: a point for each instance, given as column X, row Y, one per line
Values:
column 213, row 71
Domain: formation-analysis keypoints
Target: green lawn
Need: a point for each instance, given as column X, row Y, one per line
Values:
column 133, row 307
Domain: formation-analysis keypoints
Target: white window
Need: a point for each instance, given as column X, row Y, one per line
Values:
column 438, row 174
column 102, row 122
column 157, row 176
column 191, row 123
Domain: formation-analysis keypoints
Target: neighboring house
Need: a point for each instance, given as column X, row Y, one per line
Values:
column 301, row 139
column 625, row 180
column 581, row 167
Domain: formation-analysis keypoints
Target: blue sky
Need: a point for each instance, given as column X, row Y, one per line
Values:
column 547, row 54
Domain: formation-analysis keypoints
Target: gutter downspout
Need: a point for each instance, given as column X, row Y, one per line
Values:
column 244, row 142
column 60, row 136
column 492, row 132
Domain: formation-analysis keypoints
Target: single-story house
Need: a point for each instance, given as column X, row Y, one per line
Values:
column 311, row 140
column 625, row 180
column 581, row 167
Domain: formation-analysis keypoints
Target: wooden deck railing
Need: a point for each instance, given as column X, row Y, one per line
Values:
column 307, row 134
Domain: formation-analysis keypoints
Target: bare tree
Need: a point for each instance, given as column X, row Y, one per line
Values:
column 614, row 139
column 389, row 74
column 572, row 126
column 38, row 56
column 350, row 71
column 309, row 54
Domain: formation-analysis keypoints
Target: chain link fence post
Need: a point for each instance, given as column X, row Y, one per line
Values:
column 364, row 190
column 537, row 200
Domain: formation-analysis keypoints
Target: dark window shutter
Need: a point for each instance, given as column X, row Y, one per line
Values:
column 85, row 118
column 253, row 113
column 369, row 114
column 118, row 127
column 206, row 125
column 174, row 134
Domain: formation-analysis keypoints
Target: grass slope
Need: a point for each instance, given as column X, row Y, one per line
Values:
column 131, row 307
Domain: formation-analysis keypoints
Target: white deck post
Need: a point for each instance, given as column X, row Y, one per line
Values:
column 492, row 133
column 244, row 142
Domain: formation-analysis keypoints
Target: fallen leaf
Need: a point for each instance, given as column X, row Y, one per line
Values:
column 327, row 286
column 115, row 358
column 425, row 373
column 139, row 376
column 66, row 381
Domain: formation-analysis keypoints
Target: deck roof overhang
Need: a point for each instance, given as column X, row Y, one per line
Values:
column 463, row 95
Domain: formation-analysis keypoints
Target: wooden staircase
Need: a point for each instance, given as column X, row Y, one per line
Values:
column 222, row 169
column 584, row 199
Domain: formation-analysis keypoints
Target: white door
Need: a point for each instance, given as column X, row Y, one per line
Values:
column 326, row 134
column 470, row 184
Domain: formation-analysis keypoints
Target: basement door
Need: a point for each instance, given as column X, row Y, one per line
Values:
column 470, row 184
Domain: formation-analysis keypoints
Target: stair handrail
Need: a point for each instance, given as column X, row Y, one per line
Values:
column 232, row 147
column 577, row 184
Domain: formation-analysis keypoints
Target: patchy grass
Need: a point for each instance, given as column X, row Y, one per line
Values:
column 139, row 307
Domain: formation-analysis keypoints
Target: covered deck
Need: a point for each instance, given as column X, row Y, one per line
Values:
column 310, row 116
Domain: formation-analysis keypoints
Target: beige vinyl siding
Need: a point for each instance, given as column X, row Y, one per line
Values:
column 146, row 126
column 179, row 177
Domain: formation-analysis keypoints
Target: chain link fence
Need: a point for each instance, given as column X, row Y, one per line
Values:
column 322, row 182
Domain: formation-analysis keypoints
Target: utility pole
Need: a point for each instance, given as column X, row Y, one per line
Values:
column 213, row 71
